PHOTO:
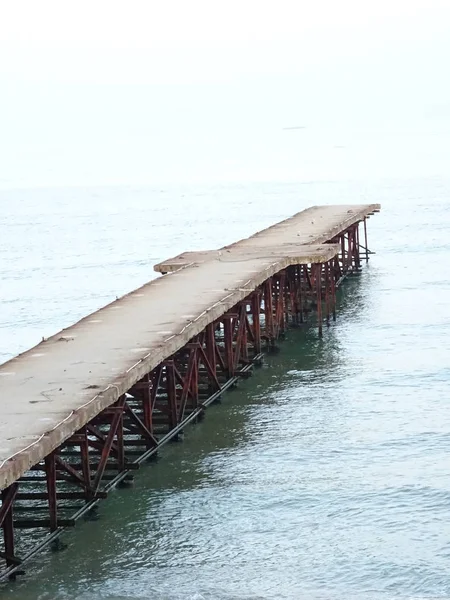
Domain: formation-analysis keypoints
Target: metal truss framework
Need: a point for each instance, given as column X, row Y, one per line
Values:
column 55, row 493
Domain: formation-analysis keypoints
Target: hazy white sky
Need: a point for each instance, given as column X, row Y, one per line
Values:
column 152, row 42
column 105, row 91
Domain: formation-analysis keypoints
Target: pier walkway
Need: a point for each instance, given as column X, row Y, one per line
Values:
column 82, row 409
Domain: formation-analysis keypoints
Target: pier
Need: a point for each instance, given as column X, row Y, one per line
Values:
column 85, row 408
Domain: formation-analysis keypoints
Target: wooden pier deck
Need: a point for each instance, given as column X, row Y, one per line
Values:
column 215, row 305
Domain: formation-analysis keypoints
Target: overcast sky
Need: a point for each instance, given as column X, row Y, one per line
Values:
column 106, row 92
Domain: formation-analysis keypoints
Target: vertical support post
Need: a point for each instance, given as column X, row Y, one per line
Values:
column 348, row 260
column 171, row 393
column 268, row 310
column 300, row 292
column 120, row 445
column 333, row 268
column 194, row 379
column 155, row 377
column 337, row 270
column 50, row 472
column 327, row 292
column 85, row 465
column 318, row 270
column 6, row 521
column 365, row 239
column 344, row 270
column 147, row 408
column 357, row 256
column 281, row 310
column 210, row 340
column 116, row 420
column 293, row 294
column 228, row 339
column 289, row 302
column 275, row 295
column 350, row 249
column 242, row 332
column 256, row 308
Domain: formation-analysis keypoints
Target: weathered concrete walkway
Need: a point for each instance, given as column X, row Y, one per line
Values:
column 315, row 225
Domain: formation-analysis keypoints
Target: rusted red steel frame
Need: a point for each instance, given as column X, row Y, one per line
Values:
column 163, row 400
column 350, row 255
column 6, row 522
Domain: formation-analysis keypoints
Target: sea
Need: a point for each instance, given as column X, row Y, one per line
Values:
column 325, row 476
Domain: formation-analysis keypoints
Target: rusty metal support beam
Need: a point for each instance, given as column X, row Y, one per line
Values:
column 280, row 324
column 318, row 277
column 300, row 293
column 8, row 496
column 140, row 425
column 116, row 421
column 143, row 392
column 75, row 476
column 171, row 393
column 50, row 469
column 239, row 351
column 356, row 241
column 365, row 240
column 256, row 321
column 268, row 311
column 327, row 293
column 211, row 370
column 210, row 347
column 228, row 340
column 188, row 381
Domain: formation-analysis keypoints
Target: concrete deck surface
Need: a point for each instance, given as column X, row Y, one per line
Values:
column 315, row 225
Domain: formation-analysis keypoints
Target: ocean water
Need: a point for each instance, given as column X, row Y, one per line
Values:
column 326, row 475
